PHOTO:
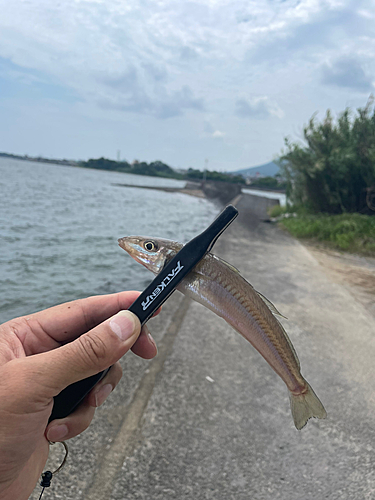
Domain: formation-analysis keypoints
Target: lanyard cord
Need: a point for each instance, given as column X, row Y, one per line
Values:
column 41, row 493
column 48, row 475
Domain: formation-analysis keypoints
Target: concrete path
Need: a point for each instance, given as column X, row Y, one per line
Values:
column 209, row 419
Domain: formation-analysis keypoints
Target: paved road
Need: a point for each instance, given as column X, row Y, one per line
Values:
column 208, row 418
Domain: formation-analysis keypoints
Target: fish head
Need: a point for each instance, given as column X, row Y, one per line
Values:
column 153, row 253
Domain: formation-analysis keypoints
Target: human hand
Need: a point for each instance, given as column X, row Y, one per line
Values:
column 43, row 353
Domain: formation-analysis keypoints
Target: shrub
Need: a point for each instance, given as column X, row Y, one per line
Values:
column 332, row 169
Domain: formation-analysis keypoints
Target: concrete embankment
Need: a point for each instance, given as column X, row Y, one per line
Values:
column 223, row 192
column 192, row 189
column 209, row 419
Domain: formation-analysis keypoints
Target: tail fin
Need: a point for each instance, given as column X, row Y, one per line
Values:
column 305, row 406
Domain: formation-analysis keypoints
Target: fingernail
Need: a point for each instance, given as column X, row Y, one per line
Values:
column 150, row 338
column 102, row 394
column 146, row 331
column 123, row 325
column 57, row 432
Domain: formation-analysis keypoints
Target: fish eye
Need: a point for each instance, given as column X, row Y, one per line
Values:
column 150, row 246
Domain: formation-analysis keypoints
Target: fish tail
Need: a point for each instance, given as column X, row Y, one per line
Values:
column 305, row 406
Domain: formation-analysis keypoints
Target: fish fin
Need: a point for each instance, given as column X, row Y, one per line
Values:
column 268, row 303
column 290, row 344
column 304, row 406
column 234, row 269
column 271, row 307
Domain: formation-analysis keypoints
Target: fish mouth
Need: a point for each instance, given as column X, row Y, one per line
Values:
column 123, row 243
column 132, row 245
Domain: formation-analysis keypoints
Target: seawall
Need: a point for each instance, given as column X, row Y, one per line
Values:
column 222, row 192
column 257, row 205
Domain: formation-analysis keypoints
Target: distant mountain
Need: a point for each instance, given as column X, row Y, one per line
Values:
column 267, row 169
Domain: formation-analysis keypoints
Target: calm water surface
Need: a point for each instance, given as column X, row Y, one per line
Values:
column 59, row 228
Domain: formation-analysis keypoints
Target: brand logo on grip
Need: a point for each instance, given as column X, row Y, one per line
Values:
column 150, row 298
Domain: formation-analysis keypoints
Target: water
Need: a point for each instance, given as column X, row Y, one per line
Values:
column 59, row 228
column 268, row 194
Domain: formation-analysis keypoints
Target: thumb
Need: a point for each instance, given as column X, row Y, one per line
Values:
column 89, row 354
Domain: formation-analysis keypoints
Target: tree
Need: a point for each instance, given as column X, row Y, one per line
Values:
column 333, row 169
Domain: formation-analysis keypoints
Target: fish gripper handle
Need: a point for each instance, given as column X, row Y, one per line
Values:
column 69, row 398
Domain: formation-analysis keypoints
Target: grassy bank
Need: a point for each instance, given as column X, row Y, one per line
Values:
column 349, row 232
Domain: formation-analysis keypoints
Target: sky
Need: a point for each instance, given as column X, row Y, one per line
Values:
column 214, row 83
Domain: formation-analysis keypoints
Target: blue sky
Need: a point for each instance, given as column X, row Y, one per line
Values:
column 179, row 81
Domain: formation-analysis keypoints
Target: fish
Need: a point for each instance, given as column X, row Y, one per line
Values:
column 221, row 288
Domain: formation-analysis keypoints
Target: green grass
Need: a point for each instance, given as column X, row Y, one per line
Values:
column 349, row 232
column 277, row 210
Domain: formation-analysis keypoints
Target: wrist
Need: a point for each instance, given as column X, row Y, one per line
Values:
column 16, row 490
column 8, row 490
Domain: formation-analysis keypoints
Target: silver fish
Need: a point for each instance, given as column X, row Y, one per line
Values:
column 220, row 287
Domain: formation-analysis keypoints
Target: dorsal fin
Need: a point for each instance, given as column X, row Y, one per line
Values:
column 269, row 304
column 234, row 269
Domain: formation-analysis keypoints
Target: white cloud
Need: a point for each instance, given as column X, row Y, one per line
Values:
column 259, row 107
column 218, row 134
column 212, row 132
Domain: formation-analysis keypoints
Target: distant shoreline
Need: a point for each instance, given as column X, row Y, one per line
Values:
column 154, row 169
column 40, row 159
